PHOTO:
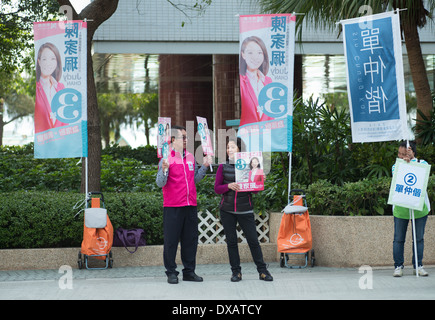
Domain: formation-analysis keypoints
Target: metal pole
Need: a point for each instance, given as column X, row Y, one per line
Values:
column 415, row 242
column 289, row 175
column 86, row 180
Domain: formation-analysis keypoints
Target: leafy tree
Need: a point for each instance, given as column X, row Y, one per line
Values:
column 19, row 103
column 114, row 109
column 146, row 106
column 16, row 30
column 425, row 126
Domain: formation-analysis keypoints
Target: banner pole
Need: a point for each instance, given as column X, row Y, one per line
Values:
column 289, row 176
column 415, row 242
column 86, row 179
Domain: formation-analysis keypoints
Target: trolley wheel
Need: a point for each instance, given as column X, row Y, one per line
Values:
column 312, row 258
column 79, row 261
column 110, row 264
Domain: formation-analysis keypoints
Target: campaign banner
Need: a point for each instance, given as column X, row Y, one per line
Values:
column 249, row 170
column 163, row 137
column 409, row 184
column 61, row 129
column 375, row 80
column 266, row 64
column 203, row 131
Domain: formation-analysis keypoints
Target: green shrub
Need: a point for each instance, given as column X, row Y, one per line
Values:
column 47, row 219
column 128, row 175
column 20, row 171
column 145, row 154
column 367, row 197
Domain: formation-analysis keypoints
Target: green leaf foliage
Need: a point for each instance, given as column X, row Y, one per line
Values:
column 47, row 219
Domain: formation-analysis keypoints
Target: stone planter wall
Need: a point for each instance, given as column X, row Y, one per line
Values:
column 337, row 242
column 356, row 241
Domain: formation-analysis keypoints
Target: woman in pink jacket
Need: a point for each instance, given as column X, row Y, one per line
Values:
column 48, row 74
column 254, row 66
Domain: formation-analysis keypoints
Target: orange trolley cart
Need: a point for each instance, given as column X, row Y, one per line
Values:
column 97, row 233
column 294, row 235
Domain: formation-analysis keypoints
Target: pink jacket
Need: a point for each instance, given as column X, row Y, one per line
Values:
column 43, row 109
column 180, row 189
column 250, row 102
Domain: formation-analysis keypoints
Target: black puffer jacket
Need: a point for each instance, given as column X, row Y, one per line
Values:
column 234, row 201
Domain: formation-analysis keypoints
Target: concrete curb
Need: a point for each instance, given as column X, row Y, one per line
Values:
column 53, row 258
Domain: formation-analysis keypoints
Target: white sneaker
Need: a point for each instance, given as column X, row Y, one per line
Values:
column 421, row 272
column 398, row 272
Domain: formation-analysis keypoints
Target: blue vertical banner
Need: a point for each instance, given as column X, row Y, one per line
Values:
column 266, row 64
column 61, row 89
column 375, row 81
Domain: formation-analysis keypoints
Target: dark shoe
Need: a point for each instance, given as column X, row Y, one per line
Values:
column 192, row 277
column 236, row 277
column 265, row 275
column 172, row 279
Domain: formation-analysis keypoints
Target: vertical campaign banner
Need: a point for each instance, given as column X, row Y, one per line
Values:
column 266, row 81
column 375, row 80
column 163, row 137
column 203, row 131
column 249, row 170
column 61, row 89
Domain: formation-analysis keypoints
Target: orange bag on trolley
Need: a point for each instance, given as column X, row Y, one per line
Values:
column 97, row 241
column 294, row 235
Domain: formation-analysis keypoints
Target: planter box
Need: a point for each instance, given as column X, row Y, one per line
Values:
column 356, row 241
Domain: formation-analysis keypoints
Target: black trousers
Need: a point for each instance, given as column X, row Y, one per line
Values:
column 247, row 223
column 180, row 225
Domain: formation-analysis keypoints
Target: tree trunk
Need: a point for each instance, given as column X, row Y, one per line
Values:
column 147, row 132
column 94, row 130
column 418, row 69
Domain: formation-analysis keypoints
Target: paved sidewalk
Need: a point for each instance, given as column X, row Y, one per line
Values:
column 149, row 283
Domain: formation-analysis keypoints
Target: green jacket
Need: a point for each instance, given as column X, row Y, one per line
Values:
column 404, row 213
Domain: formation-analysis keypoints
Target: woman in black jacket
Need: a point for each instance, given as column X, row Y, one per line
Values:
column 238, row 207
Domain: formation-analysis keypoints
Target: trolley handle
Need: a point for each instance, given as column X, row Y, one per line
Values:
column 297, row 190
column 291, row 200
column 90, row 193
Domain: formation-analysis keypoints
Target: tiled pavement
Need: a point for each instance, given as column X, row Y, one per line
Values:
column 149, row 283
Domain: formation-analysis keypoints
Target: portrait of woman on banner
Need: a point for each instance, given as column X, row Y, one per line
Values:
column 256, row 174
column 48, row 75
column 253, row 69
